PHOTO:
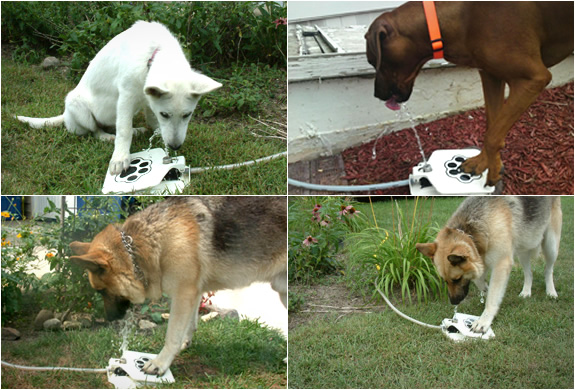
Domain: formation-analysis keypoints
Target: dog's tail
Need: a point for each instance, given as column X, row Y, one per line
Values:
column 38, row 123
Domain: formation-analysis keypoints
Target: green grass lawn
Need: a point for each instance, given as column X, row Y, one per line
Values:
column 224, row 354
column 53, row 161
column 533, row 347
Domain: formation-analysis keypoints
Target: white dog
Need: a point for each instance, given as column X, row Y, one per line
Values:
column 142, row 68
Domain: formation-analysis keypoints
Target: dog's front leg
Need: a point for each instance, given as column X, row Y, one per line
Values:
column 124, row 119
column 500, row 118
column 192, row 325
column 493, row 94
column 497, row 286
column 183, row 311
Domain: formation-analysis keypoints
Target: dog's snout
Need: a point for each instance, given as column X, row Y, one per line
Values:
column 175, row 146
column 456, row 300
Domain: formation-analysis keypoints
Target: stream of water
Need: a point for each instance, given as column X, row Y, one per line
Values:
column 401, row 115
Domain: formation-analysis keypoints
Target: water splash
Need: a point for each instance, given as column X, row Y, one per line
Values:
column 128, row 325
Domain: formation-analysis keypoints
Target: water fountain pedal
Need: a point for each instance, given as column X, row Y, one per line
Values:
column 126, row 372
column 458, row 328
column 442, row 175
column 151, row 171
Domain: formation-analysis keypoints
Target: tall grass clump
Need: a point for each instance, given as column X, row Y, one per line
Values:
column 390, row 258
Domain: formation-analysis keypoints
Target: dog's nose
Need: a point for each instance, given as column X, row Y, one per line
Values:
column 175, row 146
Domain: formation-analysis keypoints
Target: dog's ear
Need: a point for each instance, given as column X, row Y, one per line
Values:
column 456, row 259
column 93, row 262
column 80, row 248
column 428, row 249
column 376, row 37
column 156, row 92
column 201, row 84
column 385, row 32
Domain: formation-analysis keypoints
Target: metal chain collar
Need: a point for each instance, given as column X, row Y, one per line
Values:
column 128, row 244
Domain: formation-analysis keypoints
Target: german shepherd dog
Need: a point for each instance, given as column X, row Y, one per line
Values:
column 484, row 234
column 185, row 246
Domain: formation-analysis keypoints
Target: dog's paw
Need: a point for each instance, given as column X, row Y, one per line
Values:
column 525, row 294
column 103, row 136
column 481, row 325
column 119, row 163
column 139, row 130
column 552, row 294
column 185, row 344
column 475, row 165
column 155, row 367
column 493, row 179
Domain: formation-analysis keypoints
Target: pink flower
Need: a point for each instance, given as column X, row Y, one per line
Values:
column 280, row 21
column 308, row 241
column 347, row 210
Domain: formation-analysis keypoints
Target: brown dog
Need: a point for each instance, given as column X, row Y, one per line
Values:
column 509, row 42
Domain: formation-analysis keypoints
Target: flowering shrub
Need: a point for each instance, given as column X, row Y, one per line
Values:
column 15, row 275
column 66, row 287
column 317, row 229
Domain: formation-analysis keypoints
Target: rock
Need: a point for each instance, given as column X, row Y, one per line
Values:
column 52, row 324
column 10, row 334
column 86, row 319
column 145, row 325
column 86, row 322
column 42, row 317
column 50, row 62
column 229, row 313
column 72, row 325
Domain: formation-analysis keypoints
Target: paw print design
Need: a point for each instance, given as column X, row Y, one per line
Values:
column 141, row 362
column 453, row 169
column 138, row 168
column 468, row 322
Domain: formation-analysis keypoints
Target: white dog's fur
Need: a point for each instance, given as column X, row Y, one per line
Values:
column 144, row 67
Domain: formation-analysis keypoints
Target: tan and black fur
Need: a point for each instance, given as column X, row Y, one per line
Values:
column 185, row 246
column 485, row 234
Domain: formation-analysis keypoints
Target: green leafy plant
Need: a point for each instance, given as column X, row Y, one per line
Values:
column 211, row 32
column 66, row 286
column 16, row 278
column 318, row 226
column 295, row 302
column 390, row 258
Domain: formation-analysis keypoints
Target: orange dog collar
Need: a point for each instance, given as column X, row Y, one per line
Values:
column 433, row 27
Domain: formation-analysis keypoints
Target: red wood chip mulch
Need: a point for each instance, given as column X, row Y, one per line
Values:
column 538, row 155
